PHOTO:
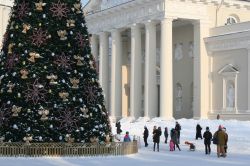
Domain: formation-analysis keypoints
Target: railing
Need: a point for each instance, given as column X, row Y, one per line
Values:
column 67, row 150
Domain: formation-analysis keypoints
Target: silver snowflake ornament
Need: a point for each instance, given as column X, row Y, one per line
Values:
column 35, row 92
column 11, row 61
column 63, row 62
column 68, row 120
column 39, row 37
column 59, row 10
column 22, row 9
column 80, row 40
column 5, row 113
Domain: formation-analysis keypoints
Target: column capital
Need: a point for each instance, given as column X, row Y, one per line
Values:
column 169, row 18
column 136, row 25
column 150, row 22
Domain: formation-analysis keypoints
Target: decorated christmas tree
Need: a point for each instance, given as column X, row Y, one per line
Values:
column 49, row 89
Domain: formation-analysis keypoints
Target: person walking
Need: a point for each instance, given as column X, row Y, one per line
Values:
column 178, row 130
column 156, row 137
column 207, row 135
column 118, row 127
column 145, row 136
column 174, row 138
column 198, row 131
column 166, row 135
column 221, row 141
column 127, row 137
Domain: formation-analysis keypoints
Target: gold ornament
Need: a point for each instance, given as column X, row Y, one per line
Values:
column 62, row 34
column 16, row 110
column 24, row 73
column 84, row 110
column 34, row 56
column 12, row 25
column 24, row 63
column 77, row 6
column 71, row 23
column 16, row 26
column 40, row 5
column 2, row 139
column 79, row 60
column 64, row 95
column 94, row 140
column 27, row 139
column 69, row 45
column 10, row 47
column 26, row 27
column 50, row 91
column 69, row 139
column 52, row 79
column 10, row 86
column 44, row 114
column 75, row 83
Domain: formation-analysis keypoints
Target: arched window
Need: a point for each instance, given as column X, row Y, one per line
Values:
column 231, row 20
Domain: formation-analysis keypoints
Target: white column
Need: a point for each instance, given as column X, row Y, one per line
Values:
column 248, row 50
column 201, row 71
column 166, row 84
column 94, row 46
column 116, row 74
column 136, row 72
column 150, row 109
column 104, row 66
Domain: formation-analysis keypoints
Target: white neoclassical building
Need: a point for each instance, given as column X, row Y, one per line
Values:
column 170, row 58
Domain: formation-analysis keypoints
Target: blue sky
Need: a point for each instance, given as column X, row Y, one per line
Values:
column 84, row 1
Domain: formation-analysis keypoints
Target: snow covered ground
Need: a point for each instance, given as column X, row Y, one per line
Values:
column 238, row 147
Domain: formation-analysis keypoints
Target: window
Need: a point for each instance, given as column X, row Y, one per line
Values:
column 231, row 20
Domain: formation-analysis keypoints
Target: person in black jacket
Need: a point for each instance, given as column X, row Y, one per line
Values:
column 166, row 135
column 156, row 137
column 145, row 136
column 198, row 132
column 207, row 140
column 118, row 127
column 178, row 130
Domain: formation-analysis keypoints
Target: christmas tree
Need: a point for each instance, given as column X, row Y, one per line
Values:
column 49, row 89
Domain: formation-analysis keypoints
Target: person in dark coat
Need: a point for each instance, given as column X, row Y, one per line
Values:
column 174, row 138
column 178, row 130
column 145, row 136
column 166, row 135
column 221, row 137
column 198, row 131
column 156, row 137
column 118, row 127
column 207, row 135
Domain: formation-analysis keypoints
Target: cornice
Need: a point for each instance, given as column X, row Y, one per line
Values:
column 228, row 42
column 124, row 16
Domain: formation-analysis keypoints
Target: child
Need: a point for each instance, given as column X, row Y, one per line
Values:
column 171, row 145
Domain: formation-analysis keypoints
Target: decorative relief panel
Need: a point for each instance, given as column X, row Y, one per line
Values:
column 228, row 44
column 115, row 18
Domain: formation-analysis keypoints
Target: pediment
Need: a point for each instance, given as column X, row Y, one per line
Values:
column 229, row 68
column 92, row 5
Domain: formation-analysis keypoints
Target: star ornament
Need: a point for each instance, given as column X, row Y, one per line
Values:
column 4, row 114
column 11, row 61
column 40, row 5
column 59, row 10
column 68, row 120
column 90, row 93
column 63, row 62
column 22, row 9
column 39, row 37
column 35, row 92
column 80, row 40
